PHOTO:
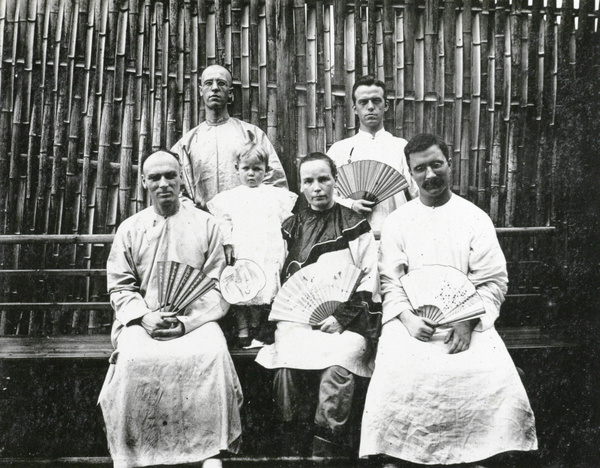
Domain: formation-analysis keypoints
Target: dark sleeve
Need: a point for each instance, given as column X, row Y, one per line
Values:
column 361, row 315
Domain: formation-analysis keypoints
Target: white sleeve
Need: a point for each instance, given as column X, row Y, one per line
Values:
column 393, row 264
column 487, row 271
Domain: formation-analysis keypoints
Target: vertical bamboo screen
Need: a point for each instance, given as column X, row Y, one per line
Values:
column 89, row 86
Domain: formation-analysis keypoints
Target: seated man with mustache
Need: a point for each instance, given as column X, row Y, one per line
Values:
column 442, row 394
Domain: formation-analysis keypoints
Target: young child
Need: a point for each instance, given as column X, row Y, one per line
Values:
column 250, row 218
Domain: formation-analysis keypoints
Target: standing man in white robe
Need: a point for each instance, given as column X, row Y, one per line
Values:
column 171, row 395
column 442, row 395
column 208, row 152
column 373, row 142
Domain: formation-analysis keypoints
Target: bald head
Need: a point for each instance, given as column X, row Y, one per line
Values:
column 216, row 70
column 161, row 177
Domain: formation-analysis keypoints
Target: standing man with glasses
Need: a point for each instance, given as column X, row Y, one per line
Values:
column 208, row 152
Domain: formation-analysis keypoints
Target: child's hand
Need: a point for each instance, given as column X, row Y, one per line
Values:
column 229, row 258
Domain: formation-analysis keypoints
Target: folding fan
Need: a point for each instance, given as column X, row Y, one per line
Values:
column 242, row 281
column 442, row 294
column 369, row 180
column 179, row 285
column 313, row 293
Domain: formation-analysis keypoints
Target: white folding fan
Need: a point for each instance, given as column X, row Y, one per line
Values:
column 442, row 294
column 313, row 293
column 369, row 180
column 179, row 285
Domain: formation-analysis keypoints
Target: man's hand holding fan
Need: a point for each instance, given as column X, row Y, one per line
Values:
column 442, row 296
column 369, row 182
column 179, row 285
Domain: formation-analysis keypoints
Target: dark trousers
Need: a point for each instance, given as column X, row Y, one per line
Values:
column 336, row 391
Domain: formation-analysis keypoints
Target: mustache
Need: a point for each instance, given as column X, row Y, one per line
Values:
column 434, row 182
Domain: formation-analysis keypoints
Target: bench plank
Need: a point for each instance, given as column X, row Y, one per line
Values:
column 100, row 347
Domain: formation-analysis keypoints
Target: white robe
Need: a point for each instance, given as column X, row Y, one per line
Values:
column 250, row 219
column 385, row 148
column 175, row 401
column 423, row 404
column 298, row 346
column 208, row 157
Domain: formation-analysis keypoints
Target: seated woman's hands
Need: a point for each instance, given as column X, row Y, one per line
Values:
column 419, row 327
column 162, row 328
column 331, row 325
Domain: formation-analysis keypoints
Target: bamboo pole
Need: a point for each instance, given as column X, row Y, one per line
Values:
column 262, row 69
column 327, row 71
column 311, row 78
column 508, row 185
column 236, row 46
column 539, row 32
column 483, row 142
column 104, row 148
column 410, row 24
column 2, row 35
column 194, row 68
column 301, row 69
column 399, row 79
column 349, row 76
column 33, row 150
column 477, row 180
column 379, row 52
column 184, row 86
column 371, row 39
column 32, row 12
column 72, row 175
column 419, row 75
column 244, row 72
column 461, row 170
column 172, row 63
column 430, row 62
column 41, row 198
column 254, row 56
column 220, row 31
column 339, row 10
column 362, row 63
column 449, row 19
column 272, row 76
column 88, row 142
column 320, row 78
column 126, row 154
column 388, row 58
column 286, row 123
column 440, row 77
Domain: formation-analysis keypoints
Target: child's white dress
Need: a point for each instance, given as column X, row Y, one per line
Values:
column 250, row 220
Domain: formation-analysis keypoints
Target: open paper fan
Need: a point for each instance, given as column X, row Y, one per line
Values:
column 242, row 281
column 442, row 294
column 369, row 180
column 179, row 285
column 313, row 293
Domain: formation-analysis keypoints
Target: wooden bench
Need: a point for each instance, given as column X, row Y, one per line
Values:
column 525, row 321
column 48, row 336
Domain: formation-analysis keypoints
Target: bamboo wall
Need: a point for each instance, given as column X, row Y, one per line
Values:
column 89, row 86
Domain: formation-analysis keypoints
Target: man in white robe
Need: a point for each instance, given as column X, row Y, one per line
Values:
column 208, row 152
column 171, row 394
column 373, row 142
column 442, row 395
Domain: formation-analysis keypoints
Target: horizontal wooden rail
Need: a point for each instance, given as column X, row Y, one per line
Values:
column 100, row 347
column 55, row 305
column 57, row 272
column 108, row 238
column 56, row 238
